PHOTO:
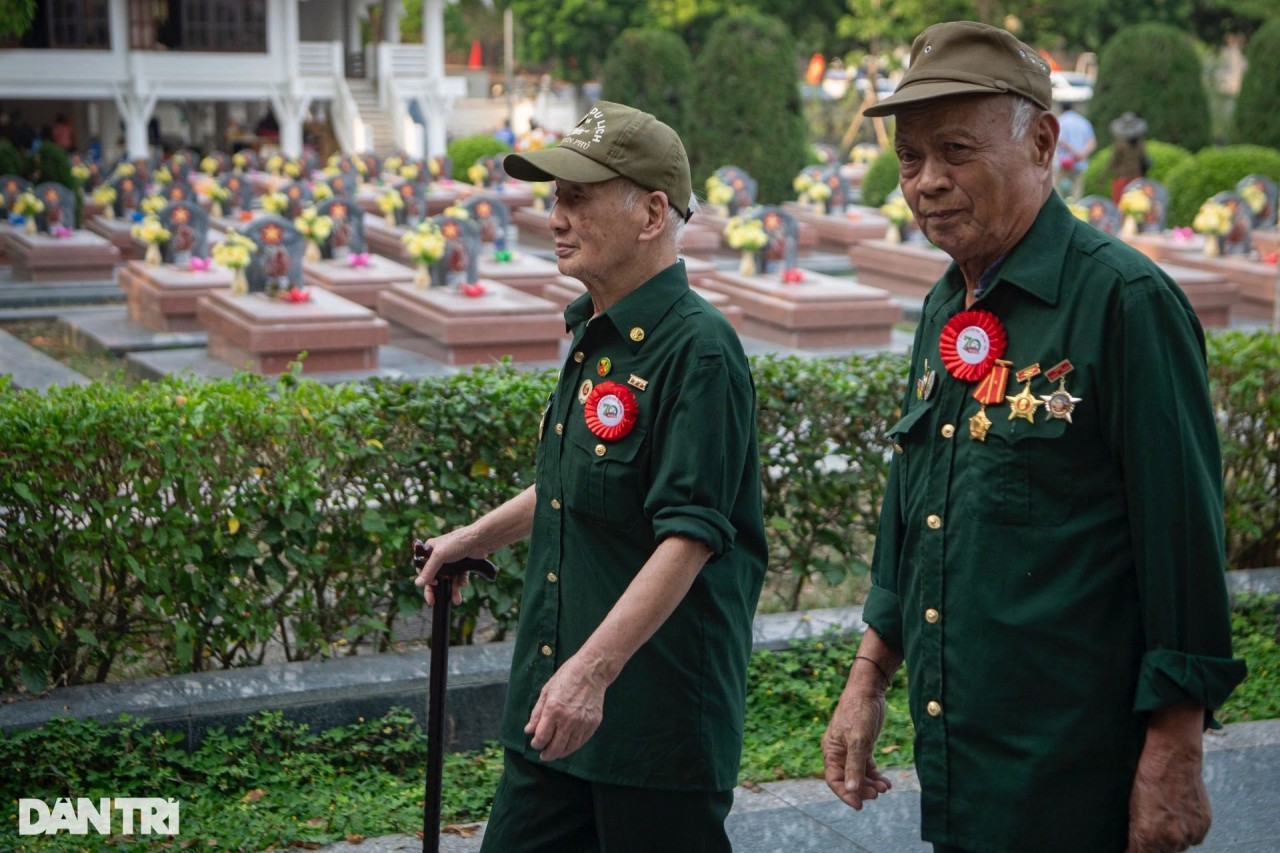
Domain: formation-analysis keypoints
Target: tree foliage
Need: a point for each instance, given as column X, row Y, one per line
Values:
column 1155, row 71
column 575, row 35
column 747, row 105
column 1257, row 111
column 651, row 70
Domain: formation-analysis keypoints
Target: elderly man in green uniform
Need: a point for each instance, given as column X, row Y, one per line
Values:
column 623, row 723
column 1050, row 553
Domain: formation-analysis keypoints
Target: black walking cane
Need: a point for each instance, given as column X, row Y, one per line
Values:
column 436, row 684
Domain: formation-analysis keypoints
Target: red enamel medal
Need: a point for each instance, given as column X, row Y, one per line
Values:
column 970, row 343
column 610, row 410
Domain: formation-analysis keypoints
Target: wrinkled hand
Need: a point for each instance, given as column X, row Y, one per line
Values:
column 847, row 746
column 453, row 546
column 568, row 710
column 1169, row 808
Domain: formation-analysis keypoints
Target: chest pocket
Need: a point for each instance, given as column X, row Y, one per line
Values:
column 604, row 480
column 907, row 437
column 1031, row 469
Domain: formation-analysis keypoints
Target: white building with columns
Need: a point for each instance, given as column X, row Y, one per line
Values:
column 118, row 63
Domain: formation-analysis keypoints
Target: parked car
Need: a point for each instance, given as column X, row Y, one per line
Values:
column 1070, row 87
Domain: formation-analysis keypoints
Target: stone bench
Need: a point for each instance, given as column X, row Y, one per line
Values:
column 258, row 333
column 819, row 312
column 449, row 326
column 907, row 269
column 79, row 257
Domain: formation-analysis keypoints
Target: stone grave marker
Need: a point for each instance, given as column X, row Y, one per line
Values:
column 414, row 209
column 188, row 227
column 299, row 196
column 744, row 188
column 178, row 191
column 1102, row 213
column 841, row 192
column 1236, row 240
column 1261, row 193
column 495, row 175
column 239, row 194
column 779, row 253
column 347, row 235
column 129, row 192
column 1153, row 221
column 460, row 263
column 59, row 206
column 12, row 186
column 491, row 217
column 440, row 167
column 277, row 263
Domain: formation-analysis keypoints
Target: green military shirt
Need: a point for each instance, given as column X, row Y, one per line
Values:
column 689, row 465
column 1055, row 583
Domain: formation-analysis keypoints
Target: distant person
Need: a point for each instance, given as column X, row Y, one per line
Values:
column 1049, row 558
column 1076, row 141
column 62, row 134
column 505, row 135
column 1128, row 153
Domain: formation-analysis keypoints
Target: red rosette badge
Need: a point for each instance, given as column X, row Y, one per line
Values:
column 611, row 410
column 970, row 343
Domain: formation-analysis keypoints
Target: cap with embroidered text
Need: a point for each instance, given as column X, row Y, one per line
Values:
column 611, row 141
column 968, row 58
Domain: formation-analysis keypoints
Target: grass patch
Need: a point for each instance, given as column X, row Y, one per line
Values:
column 276, row 784
column 51, row 337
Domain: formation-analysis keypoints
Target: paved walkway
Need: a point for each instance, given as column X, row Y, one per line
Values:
column 1242, row 772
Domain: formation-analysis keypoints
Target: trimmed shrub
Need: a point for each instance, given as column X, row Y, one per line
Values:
column 1256, row 118
column 465, row 151
column 1212, row 171
column 881, row 179
column 651, row 70
column 747, row 105
column 1154, row 70
column 1165, row 157
column 11, row 160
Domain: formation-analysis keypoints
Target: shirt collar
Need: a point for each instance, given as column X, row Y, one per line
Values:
column 639, row 310
column 1035, row 263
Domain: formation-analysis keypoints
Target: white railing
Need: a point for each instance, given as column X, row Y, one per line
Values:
column 316, row 59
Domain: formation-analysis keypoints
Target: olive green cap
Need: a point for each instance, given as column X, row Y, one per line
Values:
column 968, row 58
column 611, row 141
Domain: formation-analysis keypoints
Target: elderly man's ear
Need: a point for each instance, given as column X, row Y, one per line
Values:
column 655, row 222
column 1044, row 133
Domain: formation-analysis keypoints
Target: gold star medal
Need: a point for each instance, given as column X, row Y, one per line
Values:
column 1060, row 404
column 990, row 392
column 1022, row 404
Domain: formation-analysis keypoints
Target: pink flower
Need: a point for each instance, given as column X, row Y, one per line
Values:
column 359, row 259
column 473, row 289
column 199, row 264
column 792, row 276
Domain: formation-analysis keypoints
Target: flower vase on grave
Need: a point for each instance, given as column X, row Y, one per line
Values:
column 1211, row 247
column 748, row 265
column 30, row 225
column 421, row 277
column 153, row 254
column 390, row 219
column 312, row 253
column 239, row 284
column 894, row 234
column 108, row 212
column 215, row 208
column 1129, row 228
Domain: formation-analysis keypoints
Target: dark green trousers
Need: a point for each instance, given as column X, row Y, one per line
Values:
column 540, row 810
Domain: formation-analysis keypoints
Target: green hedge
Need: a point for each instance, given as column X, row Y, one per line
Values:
column 1212, row 171
column 881, row 179
column 651, row 70
column 188, row 525
column 1256, row 116
column 464, row 152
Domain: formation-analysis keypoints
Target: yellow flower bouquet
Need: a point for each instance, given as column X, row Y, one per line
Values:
column 392, row 164
column 409, row 172
column 293, row 169
column 276, row 203
column 239, row 162
column 275, row 163
column 745, row 234
column 477, row 174
column 541, row 192
column 124, row 170
column 801, row 184
column 104, row 195
column 27, row 206
column 162, row 175
column 718, row 192
column 151, row 232
column 425, row 245
column 389, row 202
column 817, row 194
column 898, row 212
column 80, row 172
column 1254, row 196
column 153, row 204
column 321, row 191
column 233, row 253
column 209, row 166
column 1212, row 218
column 316, row 228
column 1135, row 203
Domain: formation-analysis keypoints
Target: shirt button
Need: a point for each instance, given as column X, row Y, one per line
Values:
column 931, row 616
column 897, row 448
column 948, row 430
column 559, row 429
column 551, row 577
column 934, row 707
column 546, row 651
column 555, row 504
column 578, row 356
column 934, row 522
column 599, row 450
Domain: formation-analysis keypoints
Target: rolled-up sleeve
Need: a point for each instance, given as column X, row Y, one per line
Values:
column 705, row 431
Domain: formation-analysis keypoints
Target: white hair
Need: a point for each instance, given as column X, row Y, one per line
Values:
column 1022, row 111
column 633, row 192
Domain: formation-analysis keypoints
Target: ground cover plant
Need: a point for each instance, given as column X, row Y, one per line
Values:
column 273, row 784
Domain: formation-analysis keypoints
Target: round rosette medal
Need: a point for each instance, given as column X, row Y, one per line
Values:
column 610, row 410
column 970, row 343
